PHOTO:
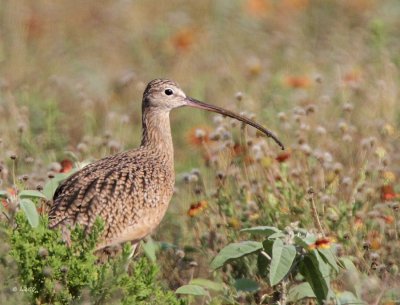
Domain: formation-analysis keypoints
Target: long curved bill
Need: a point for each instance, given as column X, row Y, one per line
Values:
column 197, row 104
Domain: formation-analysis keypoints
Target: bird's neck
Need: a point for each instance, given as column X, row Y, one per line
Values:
column 157, row 132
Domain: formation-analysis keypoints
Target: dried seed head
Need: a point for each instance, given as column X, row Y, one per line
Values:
column 337, row 168
column 29, row 160
column 218, row 119
column 320, row 130
column 193, row 264
column 13, row 156
column 82, row 147
column 374, row 256
column 239, row 96
column 348, row 107
column 347, row 138
column 346, row 181
column 193, row 178
column 39, row 187
column 366, row 245
column 306, row 149
column 199, row 133
column 42, row 252
column 310, row 109
column 55, row 167
column 64, row 269
column 282, row 116
column 47, row 271
column 180, row 254
column 343, row 127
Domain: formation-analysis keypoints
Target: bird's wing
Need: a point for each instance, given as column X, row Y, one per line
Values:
column 96, row 190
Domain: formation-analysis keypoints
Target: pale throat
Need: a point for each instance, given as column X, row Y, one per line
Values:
column 156, row 133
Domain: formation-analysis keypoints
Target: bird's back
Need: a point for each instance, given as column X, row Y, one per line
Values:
column 130, row 191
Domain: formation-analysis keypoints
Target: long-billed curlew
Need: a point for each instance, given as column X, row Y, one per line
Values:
column 131, row 190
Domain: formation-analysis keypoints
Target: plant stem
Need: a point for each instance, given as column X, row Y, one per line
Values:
column 315, row 216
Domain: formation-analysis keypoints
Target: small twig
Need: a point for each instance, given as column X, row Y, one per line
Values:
column 283, row 298
column 315, row 216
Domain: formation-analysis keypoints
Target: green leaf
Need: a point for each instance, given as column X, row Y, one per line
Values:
column 210, row 285
column 276, row 235
column 30, row 211
column 3, row 194
column 31, row 193
column 299, row 292
column 282, row 260
column 305, row 242
column 246, row 285
column 235, row 250
column 329, row 257
column 192, row 290
column 265, row 230
column 309, row 268
column 51, row 186
column 150, row 248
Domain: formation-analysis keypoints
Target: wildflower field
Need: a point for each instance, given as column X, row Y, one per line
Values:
column 249, row 223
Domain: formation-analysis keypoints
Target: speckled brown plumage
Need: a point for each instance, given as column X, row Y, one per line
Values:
column 130, row 190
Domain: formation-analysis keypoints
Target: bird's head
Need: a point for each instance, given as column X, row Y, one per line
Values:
column 165, row 95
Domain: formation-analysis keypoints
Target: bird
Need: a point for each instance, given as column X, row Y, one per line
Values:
column 131, row 190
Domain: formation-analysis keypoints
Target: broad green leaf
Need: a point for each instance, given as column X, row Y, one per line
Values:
column 192, row 290
column 210, row 285
column 306, row 241
column 276, row 235
column 282, row 260
column 246, row 285
column 235, row 250
column 51, row 186
column 3, row 194
column 150, row 249
column 265, row 230
column 322, row 265
column 329, row 257
column 310, row 270
column 347, row 263
column 31, row 193
column 30, row 211
column 299, row 292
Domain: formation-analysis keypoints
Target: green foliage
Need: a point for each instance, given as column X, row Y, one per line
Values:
column 283, row 255
column 59, row 274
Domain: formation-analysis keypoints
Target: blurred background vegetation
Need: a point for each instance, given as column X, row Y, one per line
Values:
column 323, row 75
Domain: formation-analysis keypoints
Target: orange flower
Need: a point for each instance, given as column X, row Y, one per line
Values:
column 387, row 192
column 322, row 243
column 66, row 166
column 295, row 4
column 197, row 208
column 183, row 39
column 258, row 8
column 352, row 77
column 198, row 135
column 375, row 239
column 358, row 223
column 282, row 157
column 12, row 191
column 297, row 82
column 388, row 219
column 4, row 203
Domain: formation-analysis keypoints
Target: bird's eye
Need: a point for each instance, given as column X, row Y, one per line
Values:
column 169, row 91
